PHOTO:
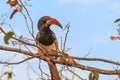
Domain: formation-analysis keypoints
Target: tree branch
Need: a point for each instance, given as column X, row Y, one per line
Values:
column 27, row 43
column 80, row 66
column 31, row 32
column 75, row 74
column 17, row 50
column 14, row 63
column 65, row 39
column 96, row 59
column 88, row 68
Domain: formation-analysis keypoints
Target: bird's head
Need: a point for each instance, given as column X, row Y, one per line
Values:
column 46, row 21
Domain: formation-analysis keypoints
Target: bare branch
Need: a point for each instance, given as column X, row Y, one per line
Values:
column 17, row 50
column 61, row 44
column 80, row 66
column 68, row 27
column 26, row 22
column 45, row 58
column 46, row 53
column 27, row 43
column 14, row 63
column 75, row 74
column 97, row 59
column 88, row 68
column 88, row 52
column 79, row 58
column 42, row 72
column 32, row 33
column 30, row 66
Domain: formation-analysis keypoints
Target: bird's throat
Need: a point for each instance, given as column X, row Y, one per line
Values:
column 46, row 37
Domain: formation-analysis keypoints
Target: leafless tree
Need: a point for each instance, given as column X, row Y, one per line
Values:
column 22, row 45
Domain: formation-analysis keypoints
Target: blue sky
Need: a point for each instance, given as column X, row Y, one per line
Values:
column 91, row 26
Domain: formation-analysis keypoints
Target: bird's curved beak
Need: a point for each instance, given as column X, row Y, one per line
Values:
column 52, row 21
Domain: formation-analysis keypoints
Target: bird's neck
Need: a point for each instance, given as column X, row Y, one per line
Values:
column 45, row 30
column 46, row 37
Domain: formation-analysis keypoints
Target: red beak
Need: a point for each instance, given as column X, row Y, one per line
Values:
column 53, row 21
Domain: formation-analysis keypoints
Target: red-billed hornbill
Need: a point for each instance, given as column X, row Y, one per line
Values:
column 47, row 38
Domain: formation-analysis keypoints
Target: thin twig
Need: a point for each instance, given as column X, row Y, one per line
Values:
column 65, row 40
column 27, row 48
column 12, row 29
column 1, row 72
column 75, row 74
column 3, row 18
column 88, row 52
column 17, row 38
column 30, row 66
column 42, row 72
column 32, row 33
column 26, row 22
column 61, row 43
column 63, row 68
column 28, row 72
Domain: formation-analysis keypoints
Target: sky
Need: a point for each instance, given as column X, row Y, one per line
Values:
column 91, row 25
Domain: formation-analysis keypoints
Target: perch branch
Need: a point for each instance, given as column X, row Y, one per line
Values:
column 77, row 65
column 88, row 68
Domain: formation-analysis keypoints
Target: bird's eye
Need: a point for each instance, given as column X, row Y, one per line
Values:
column 44, row 21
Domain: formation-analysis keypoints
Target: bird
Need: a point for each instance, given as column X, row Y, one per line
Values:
column 47, row 38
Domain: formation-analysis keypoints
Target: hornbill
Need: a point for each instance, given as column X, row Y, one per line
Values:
column 47, row 38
